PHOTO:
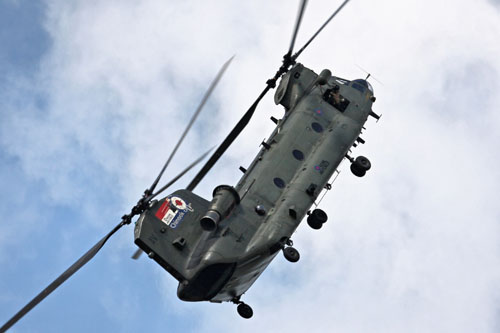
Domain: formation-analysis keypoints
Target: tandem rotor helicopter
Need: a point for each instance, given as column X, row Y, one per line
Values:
column 217, row 249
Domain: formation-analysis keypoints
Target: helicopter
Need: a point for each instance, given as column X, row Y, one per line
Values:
column 217, row 249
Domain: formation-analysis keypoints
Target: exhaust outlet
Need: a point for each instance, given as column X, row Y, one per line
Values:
column 225, row 198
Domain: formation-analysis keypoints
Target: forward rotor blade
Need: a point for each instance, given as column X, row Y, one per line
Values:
column 295, row 56
column 227, row 141
column 300, row 14
column 193, row 118
column 60, row 280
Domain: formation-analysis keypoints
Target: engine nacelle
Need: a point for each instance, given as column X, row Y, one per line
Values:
column 323, row 77
column 225, row 198
column 293, row 86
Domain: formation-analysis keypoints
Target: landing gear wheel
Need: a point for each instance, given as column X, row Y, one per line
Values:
column 291, row 254
column 360, row 165
column 245, row 311
column 356, row 171
column 315, row 224
column 363, row 163
column 317, row 218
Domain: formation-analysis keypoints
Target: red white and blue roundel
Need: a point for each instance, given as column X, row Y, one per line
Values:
column 173, row 210
column 178, row 203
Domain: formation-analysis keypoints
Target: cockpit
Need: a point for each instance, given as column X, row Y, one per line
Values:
column 333, row 97
column 361, row 85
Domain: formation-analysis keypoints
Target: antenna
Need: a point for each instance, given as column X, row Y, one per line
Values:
column 368, row 74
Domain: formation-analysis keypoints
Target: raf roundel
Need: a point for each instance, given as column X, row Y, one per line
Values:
column 178, row 203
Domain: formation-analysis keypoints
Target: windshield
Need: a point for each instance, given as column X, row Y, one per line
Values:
column 361, row 85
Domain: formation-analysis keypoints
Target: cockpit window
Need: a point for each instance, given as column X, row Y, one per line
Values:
column 361, row 85
column 369, row 86
column 358, row 87
column 342, row 81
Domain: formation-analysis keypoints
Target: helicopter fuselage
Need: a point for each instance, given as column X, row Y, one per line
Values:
column 271, row 199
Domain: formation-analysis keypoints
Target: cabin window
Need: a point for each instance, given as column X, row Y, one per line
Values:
column 317, row 127
column 298, row 155
column 279, row 182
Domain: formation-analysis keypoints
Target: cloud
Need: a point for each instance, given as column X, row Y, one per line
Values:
column 412, row 246
column 495, row 2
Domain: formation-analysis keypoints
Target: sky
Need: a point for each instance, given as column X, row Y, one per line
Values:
column 94, row 95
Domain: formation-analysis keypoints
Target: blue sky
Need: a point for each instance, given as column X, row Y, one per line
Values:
column 23, row 38
column 95, row 94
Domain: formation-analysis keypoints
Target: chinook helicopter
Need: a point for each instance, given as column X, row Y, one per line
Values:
column 217, row 249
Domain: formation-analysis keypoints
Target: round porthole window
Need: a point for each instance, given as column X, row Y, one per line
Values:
column 298, row 155
column 279, row 182
column 260, row 210
column 317, row 127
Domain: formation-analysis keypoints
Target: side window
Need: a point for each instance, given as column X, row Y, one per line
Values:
column 335, row 99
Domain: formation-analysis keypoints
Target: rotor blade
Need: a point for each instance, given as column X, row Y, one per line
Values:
column 300, row 14
column 193, row 118
column 189, row 167
column 295, row 56
column 227, row 141
column 137, row 254
column 60, row 280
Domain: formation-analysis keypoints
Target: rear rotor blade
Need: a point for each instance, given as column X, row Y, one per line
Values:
column 60, row 280
column 295, row 56
column 193, row 118
column 189, row 167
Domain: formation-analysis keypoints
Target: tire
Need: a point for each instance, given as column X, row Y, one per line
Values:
column 363, row 163
column 291, row 254
column 317, row 218
column 245, row 311
column 315, row 224
column 358, row 172
column 319, row 215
